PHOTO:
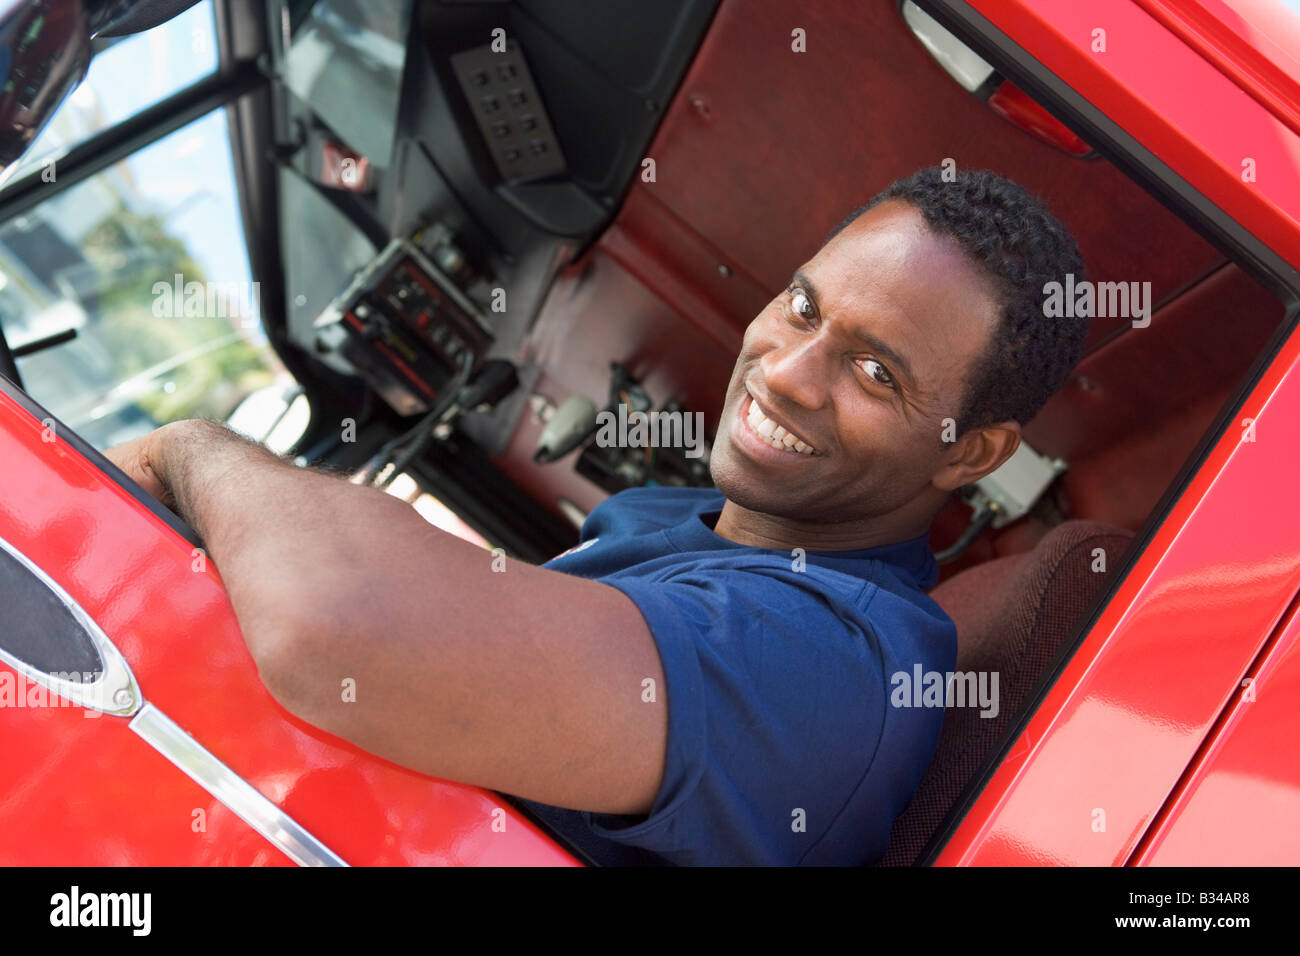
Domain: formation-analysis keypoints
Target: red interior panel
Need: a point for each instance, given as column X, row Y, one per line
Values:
column 1136, row 407
column 764, row 149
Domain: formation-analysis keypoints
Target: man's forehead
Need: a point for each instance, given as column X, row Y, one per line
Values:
column 870, row 262
column 891, row 257
column 885, row 238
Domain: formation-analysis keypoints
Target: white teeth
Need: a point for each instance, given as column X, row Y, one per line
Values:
column 775, row 434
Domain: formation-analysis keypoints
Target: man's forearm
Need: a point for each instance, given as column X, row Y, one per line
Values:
column 370, row 623
column 282, row 537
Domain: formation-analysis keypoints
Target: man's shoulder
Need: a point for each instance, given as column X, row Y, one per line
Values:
column 778, row 667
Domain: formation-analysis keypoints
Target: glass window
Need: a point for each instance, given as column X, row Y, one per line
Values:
column 148, row 262
column 134, row 73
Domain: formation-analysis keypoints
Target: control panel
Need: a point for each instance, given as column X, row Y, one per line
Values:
column 404, row 326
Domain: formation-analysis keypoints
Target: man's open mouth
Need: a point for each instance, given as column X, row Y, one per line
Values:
column 775, row 434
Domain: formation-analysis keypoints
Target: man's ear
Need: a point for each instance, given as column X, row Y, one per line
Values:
column 976, row 454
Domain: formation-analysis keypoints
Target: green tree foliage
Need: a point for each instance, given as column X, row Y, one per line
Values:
column 177, row 366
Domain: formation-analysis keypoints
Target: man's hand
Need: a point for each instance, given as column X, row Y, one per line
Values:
column 137, row 458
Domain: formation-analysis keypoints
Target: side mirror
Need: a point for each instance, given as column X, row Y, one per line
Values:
column 45, row 50
column 44, row 53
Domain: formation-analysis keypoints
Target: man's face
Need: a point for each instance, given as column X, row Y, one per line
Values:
column 862, row 358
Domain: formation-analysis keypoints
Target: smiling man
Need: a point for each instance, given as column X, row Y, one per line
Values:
column 705, row 678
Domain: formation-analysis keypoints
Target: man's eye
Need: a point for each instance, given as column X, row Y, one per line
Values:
column 801, row 305
column 878, row 372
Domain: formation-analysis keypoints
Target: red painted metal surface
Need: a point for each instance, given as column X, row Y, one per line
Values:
column 1255, row 43
column 1241, row 797
column 81, row 790
column 1172, row 100
column 1131, row 709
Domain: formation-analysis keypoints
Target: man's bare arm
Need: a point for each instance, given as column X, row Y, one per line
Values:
column 527, row 681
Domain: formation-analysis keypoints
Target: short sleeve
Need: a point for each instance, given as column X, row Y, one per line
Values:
column 776, row 699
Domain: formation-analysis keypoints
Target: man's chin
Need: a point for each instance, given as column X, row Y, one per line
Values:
column 740, row 481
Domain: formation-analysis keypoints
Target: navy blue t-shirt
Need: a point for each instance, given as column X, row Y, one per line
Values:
column 783, row 747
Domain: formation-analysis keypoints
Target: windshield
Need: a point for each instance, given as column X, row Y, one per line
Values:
column 146, row 261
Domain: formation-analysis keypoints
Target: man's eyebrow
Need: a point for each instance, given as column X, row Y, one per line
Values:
column 896, row 359
column 900, row 362
column 803, row 282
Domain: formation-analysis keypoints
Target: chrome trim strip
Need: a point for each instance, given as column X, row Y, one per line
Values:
column 200, row 765
column 114, row 691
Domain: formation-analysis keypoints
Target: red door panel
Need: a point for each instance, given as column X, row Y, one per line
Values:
column 1240, row 802
column 1115, row 733
column 81, row 790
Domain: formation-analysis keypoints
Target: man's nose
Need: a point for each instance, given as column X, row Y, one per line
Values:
column 798, row 371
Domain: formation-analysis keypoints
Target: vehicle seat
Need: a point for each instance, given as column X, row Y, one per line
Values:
column 1013, row 614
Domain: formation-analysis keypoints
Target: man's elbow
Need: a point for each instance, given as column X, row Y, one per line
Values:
column 292, row 652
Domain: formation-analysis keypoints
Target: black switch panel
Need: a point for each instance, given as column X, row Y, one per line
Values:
column 504, row 100
column 403, row 326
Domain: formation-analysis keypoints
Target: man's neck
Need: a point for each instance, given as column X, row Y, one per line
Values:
column 758, row 530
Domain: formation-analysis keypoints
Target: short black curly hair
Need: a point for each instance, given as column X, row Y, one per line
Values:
column 1022, row 246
